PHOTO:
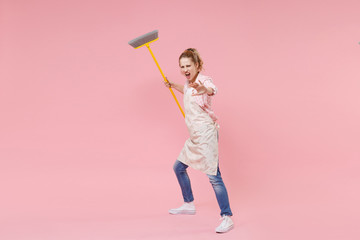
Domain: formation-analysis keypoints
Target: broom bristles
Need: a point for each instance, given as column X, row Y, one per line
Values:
column 143, row 39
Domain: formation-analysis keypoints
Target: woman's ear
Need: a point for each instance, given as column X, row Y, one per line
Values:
column 197, row 66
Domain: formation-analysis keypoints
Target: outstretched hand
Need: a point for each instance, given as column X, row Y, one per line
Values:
column 200, row 88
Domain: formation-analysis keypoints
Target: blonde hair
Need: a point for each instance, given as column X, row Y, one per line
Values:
column 194, row 55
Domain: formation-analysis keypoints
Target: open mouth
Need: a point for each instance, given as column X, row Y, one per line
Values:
column 187, row 75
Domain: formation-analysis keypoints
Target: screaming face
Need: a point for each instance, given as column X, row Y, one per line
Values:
column 188, row 68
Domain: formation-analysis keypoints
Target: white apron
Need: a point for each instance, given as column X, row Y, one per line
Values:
column 201, row 149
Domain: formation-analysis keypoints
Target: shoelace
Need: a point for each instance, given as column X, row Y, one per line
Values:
column 224, row 220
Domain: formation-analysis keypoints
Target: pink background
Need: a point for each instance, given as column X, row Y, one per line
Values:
column 89, row 134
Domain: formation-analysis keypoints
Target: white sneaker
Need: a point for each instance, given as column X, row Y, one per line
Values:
column 226, row 224
column 186, row 208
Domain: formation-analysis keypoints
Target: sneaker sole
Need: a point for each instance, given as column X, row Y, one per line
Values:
column 225, row 231
column 183, row 212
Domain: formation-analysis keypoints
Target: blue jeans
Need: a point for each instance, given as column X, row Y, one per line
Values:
column 216, row 182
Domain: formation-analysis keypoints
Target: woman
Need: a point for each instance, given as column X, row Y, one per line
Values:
column 201, row 149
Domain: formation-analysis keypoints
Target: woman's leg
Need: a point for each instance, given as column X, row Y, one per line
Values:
column 184, row 181
column 221, row 193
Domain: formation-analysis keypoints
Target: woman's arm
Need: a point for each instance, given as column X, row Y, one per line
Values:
column 178, row 87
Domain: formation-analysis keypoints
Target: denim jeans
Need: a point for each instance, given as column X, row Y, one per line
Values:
column 216, row 182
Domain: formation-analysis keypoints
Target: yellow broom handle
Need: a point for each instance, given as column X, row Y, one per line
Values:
column 157, row 64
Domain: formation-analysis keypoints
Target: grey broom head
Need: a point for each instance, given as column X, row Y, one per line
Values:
column 144, row 39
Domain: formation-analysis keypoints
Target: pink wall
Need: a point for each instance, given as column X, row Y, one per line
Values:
column 87, row 127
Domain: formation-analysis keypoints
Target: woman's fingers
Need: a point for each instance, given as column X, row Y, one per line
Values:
column 167, row 83
column 200, row 90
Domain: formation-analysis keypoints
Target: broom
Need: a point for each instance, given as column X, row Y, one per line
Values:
column 146, row 39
